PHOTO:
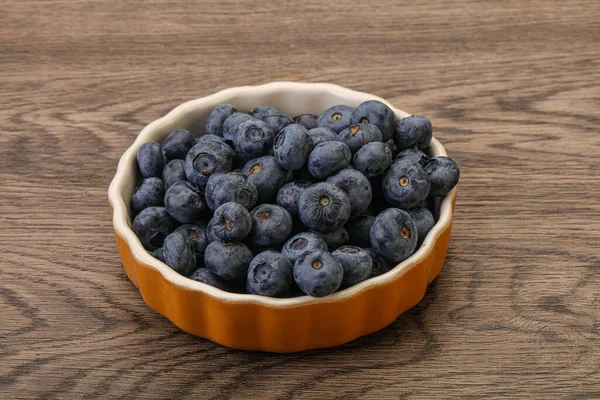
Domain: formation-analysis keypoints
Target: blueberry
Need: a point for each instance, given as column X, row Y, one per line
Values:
column 405, row 184
column 231, row 222
column 379, row 265
column 443, row 173
column 292, row 147
column 270, row 274
column 423, row 220
column 233, row 186
column 324, row 207
column 184, row 202
column 413, row 156
column 358, row 135
column 217, row 117
column 336, row 239
column 230, row 125
column 197, row 235
column 372, row 159
column 211, row 138
column 158, row 254
column 356, row 263
column 179, row 253
column 336, row 118
column 207, row 158
column 288, row 195
column 318, row 273
column 173, row 172
column 272, row 116
column 393, row 148
column 308, row 121
column 377, row 113
column 271, row 225
column 413, row 131
column 394, row 235
column 328, row 158
column 205, row 276
column 177, row 144
column 301, row 243
column 359, row 230
column 227, row 259
column 150, row 160
column 356, row 186
column 152, row 225
column 253, row 138
column 267, row 175
column 149, row 192
column 321, row 134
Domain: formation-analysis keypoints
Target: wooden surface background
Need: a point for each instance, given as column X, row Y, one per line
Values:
column 513, row 90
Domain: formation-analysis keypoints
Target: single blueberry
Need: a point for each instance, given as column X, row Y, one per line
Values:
column 358, row 135
column 288, row 195
column 336, row 238
column 253, row 138
column 272, row 116
column 327, row 158
column 150, row 160
column 379, row 264
column 336, row 118
column 356, row 263
column 377, row 113
column 301, row 243
column 179, row 253
column 173, row 172
column 217, row 117
column 359, row 230
column 149, row 192
column 405, row 184
column 267, row 175
column 227, row 259
column 394, row 235
column 271, row 225
column 292, row 147
column 177, row 144
column 205, row 276
column 423, row 220
column 413, row 156
column 372, row 159
column 230, row 125
column 270, row 274
column 321, row 134
column 197, row 235
column 443, row 173
column 231, row 222
column 413, row 131
column 318, row 273
column 207, row 158
column 324, row 207
column 184, row 202
column 356, row 186
column 233, row 186
column 309, row 121
column 211, row 138
column 152, row 225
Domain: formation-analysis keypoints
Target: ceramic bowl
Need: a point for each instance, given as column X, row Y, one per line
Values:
column 254, row 322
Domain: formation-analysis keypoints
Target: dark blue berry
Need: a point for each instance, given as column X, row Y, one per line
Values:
column 173, row 172
column 359, row 230
column 272, row 116
column 197, row 235
column 379, row 265
column 336, row 238
column 324, row 207
column 271, row 225
column 205, row 276
column 158, row 254
column 233, row 186
column 150, row 160
column 267, row 175
column 336, row 118
column 230, row 125
column 372, row 159
column 288, row 195
column 356, row 186
column 412, row 155
column 327, row 158
column 292, row 147
column 231, row 222
column 301, row 243
column 217, row 117
column 149, row 192
column 413, row 131
column 253, row 138
column 443, row 173
column 423, row 220
column 270, row 274
column 318, row 273
column 184, row 202
column 227, row 259
column 405, row 184
column 152, row 225
column 179, row 254
column 308, row 121
column 207, row 158
column 177, row 144
column 358, row 135
column 394, row 235
column 356, row 263
column 377, row 113
column 321, row 134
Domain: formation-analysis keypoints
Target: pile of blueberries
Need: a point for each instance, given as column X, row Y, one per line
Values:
column 267, row 204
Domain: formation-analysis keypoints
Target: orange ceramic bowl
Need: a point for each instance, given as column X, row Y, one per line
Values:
column 252, row 322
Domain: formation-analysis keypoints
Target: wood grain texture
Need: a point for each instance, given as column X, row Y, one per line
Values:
column 513, row 90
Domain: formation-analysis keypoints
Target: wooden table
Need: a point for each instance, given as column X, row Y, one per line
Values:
column 513, row 89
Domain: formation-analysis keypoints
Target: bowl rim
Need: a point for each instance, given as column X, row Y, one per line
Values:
column 122, row 227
